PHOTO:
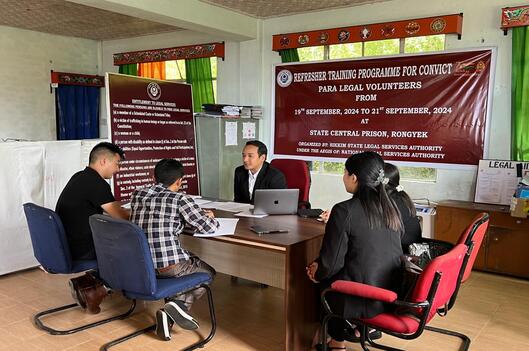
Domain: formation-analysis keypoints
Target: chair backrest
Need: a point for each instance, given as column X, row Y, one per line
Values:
column 297, row 175
column 448, row 266
column 48, row 238
column 123, row 257
column 472, row 237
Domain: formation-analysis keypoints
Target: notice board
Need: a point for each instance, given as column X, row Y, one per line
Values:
column 150, row 119
column 430, row 108
column 497, row 181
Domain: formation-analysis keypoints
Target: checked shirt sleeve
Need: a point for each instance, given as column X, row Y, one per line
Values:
column 195, row 216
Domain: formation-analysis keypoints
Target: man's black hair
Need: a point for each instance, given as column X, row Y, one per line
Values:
column 167, row 171
column 261, row 147
column 105, row 148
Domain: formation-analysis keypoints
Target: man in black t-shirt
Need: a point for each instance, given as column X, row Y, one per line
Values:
column 88, row 193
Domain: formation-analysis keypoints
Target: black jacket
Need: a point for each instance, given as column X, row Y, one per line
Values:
column 352, row 251
column 268, row 178
column 412, row 227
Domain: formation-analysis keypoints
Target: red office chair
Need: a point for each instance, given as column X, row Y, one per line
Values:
column 297, row 175
column 435, row 286
column 472, row 237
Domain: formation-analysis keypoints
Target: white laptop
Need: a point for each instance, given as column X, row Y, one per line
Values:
column 276, row 201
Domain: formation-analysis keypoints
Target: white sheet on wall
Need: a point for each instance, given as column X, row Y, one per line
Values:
column 61, row 160
column 33, row 172
column 21, row 181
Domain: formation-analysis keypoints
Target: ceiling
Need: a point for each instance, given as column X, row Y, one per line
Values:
column 76, row 20
column 277, row 8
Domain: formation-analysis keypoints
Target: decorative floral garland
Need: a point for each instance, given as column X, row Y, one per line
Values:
column 176, row 53
column 449, row 24
column 77, row 79
column 514, row 17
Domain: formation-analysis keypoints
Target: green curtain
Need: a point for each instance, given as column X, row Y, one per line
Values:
column 130, row 69
column 198, row 74
column 520, row 94
column 289, row 55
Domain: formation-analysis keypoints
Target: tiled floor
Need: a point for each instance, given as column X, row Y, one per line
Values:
column 492, row 310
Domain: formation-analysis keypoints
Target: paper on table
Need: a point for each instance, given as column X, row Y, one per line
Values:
column 201, row 202
column 227, row 206
column 226, row 227
column 250, row 214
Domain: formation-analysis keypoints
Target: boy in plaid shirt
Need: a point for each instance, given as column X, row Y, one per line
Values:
column 163, row 212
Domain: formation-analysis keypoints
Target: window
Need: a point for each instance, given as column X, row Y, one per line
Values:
column 382, row 47
column 375, row 48
column 175, row 70
column 345, row 51
column 313, row 53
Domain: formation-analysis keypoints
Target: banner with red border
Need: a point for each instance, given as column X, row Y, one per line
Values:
column 150, row 120
column 430, row 108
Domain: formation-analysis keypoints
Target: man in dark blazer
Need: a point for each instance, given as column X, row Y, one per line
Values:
column 255, row 173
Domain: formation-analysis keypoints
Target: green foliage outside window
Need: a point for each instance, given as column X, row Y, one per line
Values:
column 340, row 51
column 424, row 44
column 313, row 53
column 382, row 47
column 176, row 70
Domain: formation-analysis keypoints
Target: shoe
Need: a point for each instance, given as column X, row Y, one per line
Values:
column 163, row 325
column 93, row 296
column 77, row 284
column 351, row 337
column 177, row 310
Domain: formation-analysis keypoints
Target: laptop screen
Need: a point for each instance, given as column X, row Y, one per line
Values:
column 276, row 201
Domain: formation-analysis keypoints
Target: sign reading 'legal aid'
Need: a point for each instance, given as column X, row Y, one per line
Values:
column 415, row 108
column 150, row 120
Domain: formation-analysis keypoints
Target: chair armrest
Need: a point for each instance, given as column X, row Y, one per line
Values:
column 431, row 240
column 364, row 290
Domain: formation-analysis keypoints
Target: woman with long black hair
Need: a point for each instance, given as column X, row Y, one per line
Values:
column 408, row 214
column 362, row 243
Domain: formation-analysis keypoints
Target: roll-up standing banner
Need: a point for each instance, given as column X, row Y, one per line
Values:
column 150, row 119
column 426, row 110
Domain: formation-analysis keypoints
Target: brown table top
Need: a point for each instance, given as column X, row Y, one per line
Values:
column 299, row 229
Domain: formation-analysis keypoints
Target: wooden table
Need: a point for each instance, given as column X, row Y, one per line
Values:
column 277, row 260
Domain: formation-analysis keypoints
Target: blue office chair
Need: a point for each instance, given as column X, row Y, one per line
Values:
column 125, row 263
column 51, row 249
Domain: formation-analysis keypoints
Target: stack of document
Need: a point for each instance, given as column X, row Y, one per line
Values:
column 233, row 111
column 227, row 206
column 257, row 112
column 246, row 112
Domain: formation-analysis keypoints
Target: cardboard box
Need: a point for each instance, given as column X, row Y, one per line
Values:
column 519, row 207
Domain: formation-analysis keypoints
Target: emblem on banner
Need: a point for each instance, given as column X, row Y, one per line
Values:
column 303, row 39
column 388, row 31
column 469, row 68
column 284, row 78
column 438, row 25
column 284, row 41
column 323, row 37
column 412, row 28
column 365, row 33
column 154, row 91
column 343, row 35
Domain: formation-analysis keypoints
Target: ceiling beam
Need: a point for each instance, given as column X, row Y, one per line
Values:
column 188, row 14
